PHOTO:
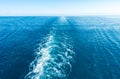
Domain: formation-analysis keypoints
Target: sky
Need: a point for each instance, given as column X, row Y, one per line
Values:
column 59, row 7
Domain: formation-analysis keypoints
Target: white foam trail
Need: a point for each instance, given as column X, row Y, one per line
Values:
column 40, row 61
column 53, row 60
column 62, row 18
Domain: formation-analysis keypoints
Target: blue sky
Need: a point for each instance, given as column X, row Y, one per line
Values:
column 59, row 7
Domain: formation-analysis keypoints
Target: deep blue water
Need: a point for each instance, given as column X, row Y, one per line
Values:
column 59, row 48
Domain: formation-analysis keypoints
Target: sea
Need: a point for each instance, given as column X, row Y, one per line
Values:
column 59, row 47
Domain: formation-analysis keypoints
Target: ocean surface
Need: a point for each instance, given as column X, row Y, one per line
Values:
column 43, row 47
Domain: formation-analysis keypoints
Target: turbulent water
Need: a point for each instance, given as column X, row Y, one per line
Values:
column 59, row 47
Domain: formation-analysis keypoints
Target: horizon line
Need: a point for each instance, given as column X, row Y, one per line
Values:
column 64, row 15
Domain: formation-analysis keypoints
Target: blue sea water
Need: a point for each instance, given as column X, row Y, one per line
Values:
column 59, row 47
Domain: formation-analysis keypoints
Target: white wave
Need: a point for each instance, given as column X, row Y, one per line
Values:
column 40, row 61
column 52, row 60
